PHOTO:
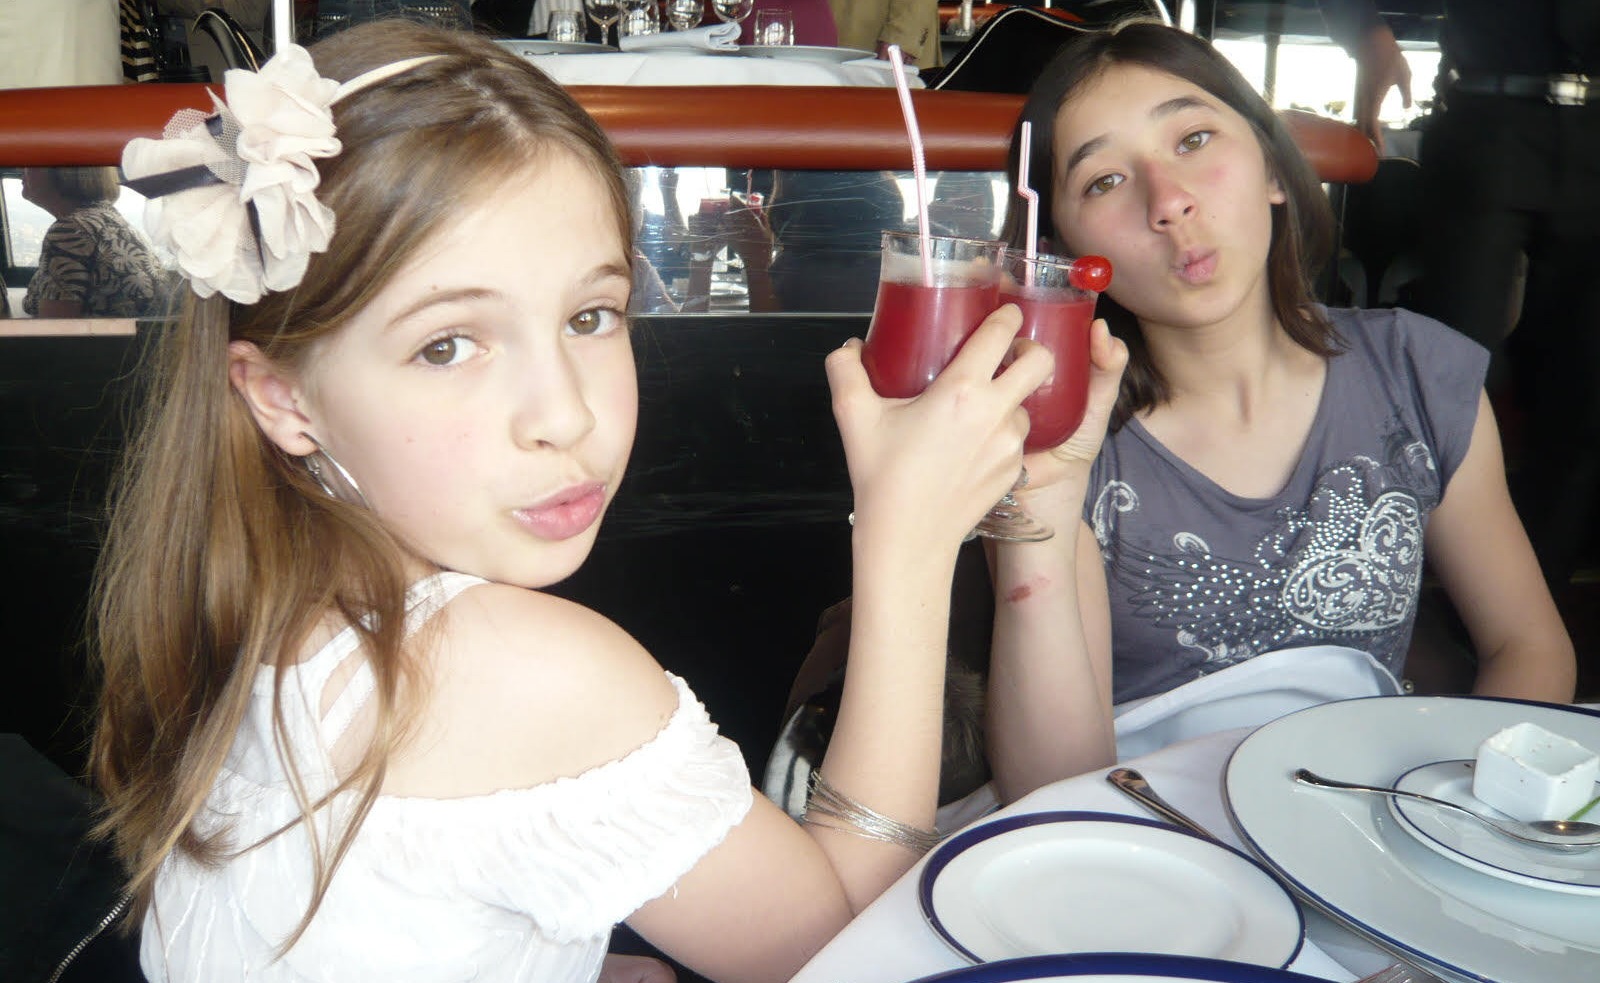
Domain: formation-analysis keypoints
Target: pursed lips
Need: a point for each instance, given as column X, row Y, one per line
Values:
column 1195, row 266
column 565, row 513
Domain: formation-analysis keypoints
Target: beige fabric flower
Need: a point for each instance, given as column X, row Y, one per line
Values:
column 275, row 124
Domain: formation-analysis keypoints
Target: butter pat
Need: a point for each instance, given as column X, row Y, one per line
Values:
column 1529, row 773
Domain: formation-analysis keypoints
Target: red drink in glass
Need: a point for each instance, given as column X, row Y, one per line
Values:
column 916, row 331
column 1060, row 322
column 929, row 302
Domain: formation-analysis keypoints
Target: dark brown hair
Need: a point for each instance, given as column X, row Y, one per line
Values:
column 1302, row 227
column 222, row 552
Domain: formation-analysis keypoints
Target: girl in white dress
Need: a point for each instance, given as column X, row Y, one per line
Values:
column 343, row 731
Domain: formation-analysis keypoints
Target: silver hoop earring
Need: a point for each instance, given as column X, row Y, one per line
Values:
column 332, row 476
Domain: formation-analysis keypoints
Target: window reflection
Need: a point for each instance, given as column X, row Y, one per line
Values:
column 714, row 240
column 711, row 239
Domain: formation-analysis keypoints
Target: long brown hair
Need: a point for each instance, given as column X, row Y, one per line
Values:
column 222, row 553
column 1302, row 227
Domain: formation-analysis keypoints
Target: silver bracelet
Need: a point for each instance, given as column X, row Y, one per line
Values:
column 829, row 807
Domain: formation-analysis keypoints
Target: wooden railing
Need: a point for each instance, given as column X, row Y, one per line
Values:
column 789, row 127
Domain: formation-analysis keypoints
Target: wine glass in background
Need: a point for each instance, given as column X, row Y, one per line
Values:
column 638, row 18
column 684, row 15
column 734, row 11
column 604, row 13
column 774, row 26
column 565, row 25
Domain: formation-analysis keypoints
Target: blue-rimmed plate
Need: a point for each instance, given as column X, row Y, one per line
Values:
column 1117, row 967
column 1348, row 854
column 1456, row 837
column 1054, row 883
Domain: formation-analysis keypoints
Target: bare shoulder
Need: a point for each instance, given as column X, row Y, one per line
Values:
column 522, row 687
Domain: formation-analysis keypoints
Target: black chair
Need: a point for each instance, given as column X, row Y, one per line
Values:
column 61, row 890
column 1009, row 50
column 1382, row 225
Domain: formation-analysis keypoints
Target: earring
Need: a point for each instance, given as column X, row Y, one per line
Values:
column 332, row 476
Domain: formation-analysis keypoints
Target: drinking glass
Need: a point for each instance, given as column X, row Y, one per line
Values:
column 774, row 26
column 921, row 319
column 684, row 15
column 638, row 18
column 732, row 10
column 604, row 13
column 1057, row 297
column 1057, row 305
column 565, row 25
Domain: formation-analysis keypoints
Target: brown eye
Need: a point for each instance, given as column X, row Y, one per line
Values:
column 447, row 351
column 1195, row 140
column 595, row 320
column 1101, row 185
column 441, row 352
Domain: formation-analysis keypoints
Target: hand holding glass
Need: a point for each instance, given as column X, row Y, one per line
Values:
column 919, row 323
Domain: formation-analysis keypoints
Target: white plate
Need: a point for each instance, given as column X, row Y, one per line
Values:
column 1455, row 837
column 1072, row 882
column 533, row 46
column 803, row 52
column 1347, row 853
column 1117, row 967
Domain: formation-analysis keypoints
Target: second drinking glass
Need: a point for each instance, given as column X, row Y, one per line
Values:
column 921, row 320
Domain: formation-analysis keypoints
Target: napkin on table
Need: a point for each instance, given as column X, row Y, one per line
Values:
column 718, row 37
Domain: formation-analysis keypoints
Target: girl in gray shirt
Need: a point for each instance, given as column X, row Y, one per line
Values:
column 1255, row 472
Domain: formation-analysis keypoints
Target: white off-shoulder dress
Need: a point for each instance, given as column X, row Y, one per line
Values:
column 520, row 884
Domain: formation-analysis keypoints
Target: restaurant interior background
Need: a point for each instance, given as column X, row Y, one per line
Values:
column 729, row 538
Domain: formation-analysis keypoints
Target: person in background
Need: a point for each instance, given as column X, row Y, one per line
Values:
column 876, row 24
column 343, row 731
column 1273, row 471
column 1510, row 161
column 92, row 262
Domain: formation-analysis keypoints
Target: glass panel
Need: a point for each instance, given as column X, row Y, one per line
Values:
column 57, row 194
column 714, row 240
column 711, row 239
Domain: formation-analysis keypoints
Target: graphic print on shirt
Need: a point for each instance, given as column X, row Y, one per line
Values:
column 1343, row 570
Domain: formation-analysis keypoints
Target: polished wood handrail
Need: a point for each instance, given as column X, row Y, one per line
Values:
column 790, row 127
column 983, row 11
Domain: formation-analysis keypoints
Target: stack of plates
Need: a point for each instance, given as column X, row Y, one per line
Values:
column 1456, row 899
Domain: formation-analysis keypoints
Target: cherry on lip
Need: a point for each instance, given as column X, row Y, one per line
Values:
column 1090, row 273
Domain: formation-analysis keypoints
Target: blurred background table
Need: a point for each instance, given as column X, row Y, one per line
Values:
column 696, row 68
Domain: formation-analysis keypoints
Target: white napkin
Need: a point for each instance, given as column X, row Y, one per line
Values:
column 1249, row 694
column 718, row 37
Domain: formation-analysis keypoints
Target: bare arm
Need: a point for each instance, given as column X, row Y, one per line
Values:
column 1356, row 26
column 1477, row 546
column 923, row 472
column 1049, row 710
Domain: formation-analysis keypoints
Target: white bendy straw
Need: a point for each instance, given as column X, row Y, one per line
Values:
column 919, row 164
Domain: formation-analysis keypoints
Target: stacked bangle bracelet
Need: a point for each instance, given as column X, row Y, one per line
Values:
column 827, row 806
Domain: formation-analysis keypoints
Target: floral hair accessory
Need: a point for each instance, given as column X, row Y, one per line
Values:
column 233, row 194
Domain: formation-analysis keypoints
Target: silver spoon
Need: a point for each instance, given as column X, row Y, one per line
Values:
column 1556, row 834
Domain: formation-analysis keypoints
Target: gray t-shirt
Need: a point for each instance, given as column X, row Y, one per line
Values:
column 1202, row 579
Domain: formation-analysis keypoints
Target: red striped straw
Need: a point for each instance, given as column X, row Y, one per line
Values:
column 918, row 162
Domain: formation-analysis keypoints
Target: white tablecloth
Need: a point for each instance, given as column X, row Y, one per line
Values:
column 891, row 943
column 706, row 68
column 59, row 42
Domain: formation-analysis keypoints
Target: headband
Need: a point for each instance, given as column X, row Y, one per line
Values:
column 233, row 193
